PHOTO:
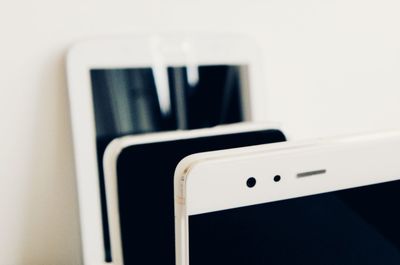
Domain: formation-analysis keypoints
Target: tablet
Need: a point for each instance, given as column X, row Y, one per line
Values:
column 325, row 202
column 139, row 174
column 122, row 86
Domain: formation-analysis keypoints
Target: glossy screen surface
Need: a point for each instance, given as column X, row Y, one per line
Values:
column 146, row 191
column 141, row 100
column 350, row 227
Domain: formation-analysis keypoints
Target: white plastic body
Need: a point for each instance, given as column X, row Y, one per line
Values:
column 215, row 181
column 118, row 145
column 153, row 52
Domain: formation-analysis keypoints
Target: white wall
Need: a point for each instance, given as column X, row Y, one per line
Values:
column 332, row 67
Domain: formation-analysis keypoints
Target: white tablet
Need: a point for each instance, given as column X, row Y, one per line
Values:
column 333, row 201
column 121, row 86
column 139, row 173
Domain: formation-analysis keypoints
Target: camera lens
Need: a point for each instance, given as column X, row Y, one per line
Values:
column 277, row 178
column 251, row 182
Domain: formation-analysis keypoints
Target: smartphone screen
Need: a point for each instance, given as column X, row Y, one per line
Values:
column 146, row 191
column 137, row 100
column 349, row 227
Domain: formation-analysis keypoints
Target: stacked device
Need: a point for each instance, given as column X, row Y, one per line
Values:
column 139, row 173
column 147, row 84
column 270, row 202
column 331, row 201
column 225, row 194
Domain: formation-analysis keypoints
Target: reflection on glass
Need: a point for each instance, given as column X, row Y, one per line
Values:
column 346, row 227
column 135, row 100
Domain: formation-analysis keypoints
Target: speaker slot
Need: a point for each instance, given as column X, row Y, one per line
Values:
column 311, row 173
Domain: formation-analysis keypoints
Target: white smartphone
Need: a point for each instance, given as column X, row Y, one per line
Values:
column 139, row 173
column 332, row 201
column 131, row 85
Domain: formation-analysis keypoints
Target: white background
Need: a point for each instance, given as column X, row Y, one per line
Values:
column 331, row 67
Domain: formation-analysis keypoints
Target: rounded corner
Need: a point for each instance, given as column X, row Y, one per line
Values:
column 182, row 169
column 72, row 53
column 112, row 151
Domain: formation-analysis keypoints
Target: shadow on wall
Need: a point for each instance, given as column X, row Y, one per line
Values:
column 51, row 224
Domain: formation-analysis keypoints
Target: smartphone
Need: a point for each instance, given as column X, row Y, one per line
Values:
column 332, row 201
column 133, row 85
column 139, row 173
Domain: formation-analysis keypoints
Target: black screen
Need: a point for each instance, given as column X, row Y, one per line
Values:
column 355, row 226
column 145, row 190
column 129, row 101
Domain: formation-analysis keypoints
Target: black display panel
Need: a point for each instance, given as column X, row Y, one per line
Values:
column 133, row 101
column 358, row 226
column 146, row 191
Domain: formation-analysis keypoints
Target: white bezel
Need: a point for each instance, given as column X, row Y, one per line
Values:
column 215, row 181
column 118, row 145
column 130, row 53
